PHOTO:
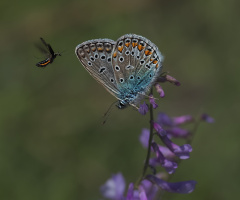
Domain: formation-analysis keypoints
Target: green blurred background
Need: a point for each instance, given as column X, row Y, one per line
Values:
column 52, row 143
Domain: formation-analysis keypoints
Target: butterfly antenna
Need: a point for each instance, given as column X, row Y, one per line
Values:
column 107, row 113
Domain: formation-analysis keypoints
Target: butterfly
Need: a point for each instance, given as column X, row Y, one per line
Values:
column 49, row 52
column 127, row 68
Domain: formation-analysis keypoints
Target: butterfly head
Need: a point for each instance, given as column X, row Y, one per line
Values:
column 122, row 104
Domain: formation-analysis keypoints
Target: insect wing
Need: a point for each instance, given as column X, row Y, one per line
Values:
column 136, row 62
column 95, row 56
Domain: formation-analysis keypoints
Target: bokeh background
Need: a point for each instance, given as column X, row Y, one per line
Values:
column 52, row 143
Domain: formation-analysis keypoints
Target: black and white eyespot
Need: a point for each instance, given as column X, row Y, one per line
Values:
column 103, row 57
column 109, row 59
column 89, row 63
column 138, row 78
column 96, row 56
column 150, row 75
column 121, row 80
column 120, row 43
column 132, row 53
column 92, row 58
column 117, row 68
column 121, row 59
column 142, row 62
column 147, row 66
column 129, row 67
column 102, row 69
column 138, row 56
column 127, row 40
column 131, row 77
column 127, row 52
column 134, row 40
column 112, row 80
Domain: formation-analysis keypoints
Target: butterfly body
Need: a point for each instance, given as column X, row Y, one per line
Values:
column 49, row 52
column 127, row 68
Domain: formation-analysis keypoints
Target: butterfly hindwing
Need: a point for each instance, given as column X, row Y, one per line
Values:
column 136, row 62
column 95, row 56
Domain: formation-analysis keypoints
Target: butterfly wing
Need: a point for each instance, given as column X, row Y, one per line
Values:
column 136, row 63
column 95, row 56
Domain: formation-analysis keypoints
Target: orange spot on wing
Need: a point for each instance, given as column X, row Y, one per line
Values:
column 120, row 48
column 140, row 47
column 134, row 44
column 127, row 44
column 147, row 52
column 115, row 54
column 156, row 66
column 155, row 62
column 100, row 49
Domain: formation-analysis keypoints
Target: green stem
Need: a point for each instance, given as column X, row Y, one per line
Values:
column 149, row 144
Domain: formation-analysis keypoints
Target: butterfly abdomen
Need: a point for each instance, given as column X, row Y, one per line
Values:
column 44, row 63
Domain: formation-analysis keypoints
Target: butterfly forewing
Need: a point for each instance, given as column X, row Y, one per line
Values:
column 95, row 55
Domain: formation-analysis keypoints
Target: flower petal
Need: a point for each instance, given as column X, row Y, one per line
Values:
column 207, row 118
column 143, row 109
column 181, row 151
column 144, row 137
column 183, row 187
column 164, row 120
column 114, row 187
column 169, row 166
column 178, row 132
column 152, row 101
column 182, row 119
column 160, row 91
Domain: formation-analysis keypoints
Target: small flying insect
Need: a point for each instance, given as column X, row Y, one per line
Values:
column 49, row 52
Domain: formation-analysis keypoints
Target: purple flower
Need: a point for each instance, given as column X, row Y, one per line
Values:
column 164, row 120
column 207, row 118
column 144, row 137
column 182, row 119
column 170, row 166
column 160, row 90
column 152, row 101
column 178, row 132
column 183, row 187
column 180, row 151
column 114, row 187
column 143, row 109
